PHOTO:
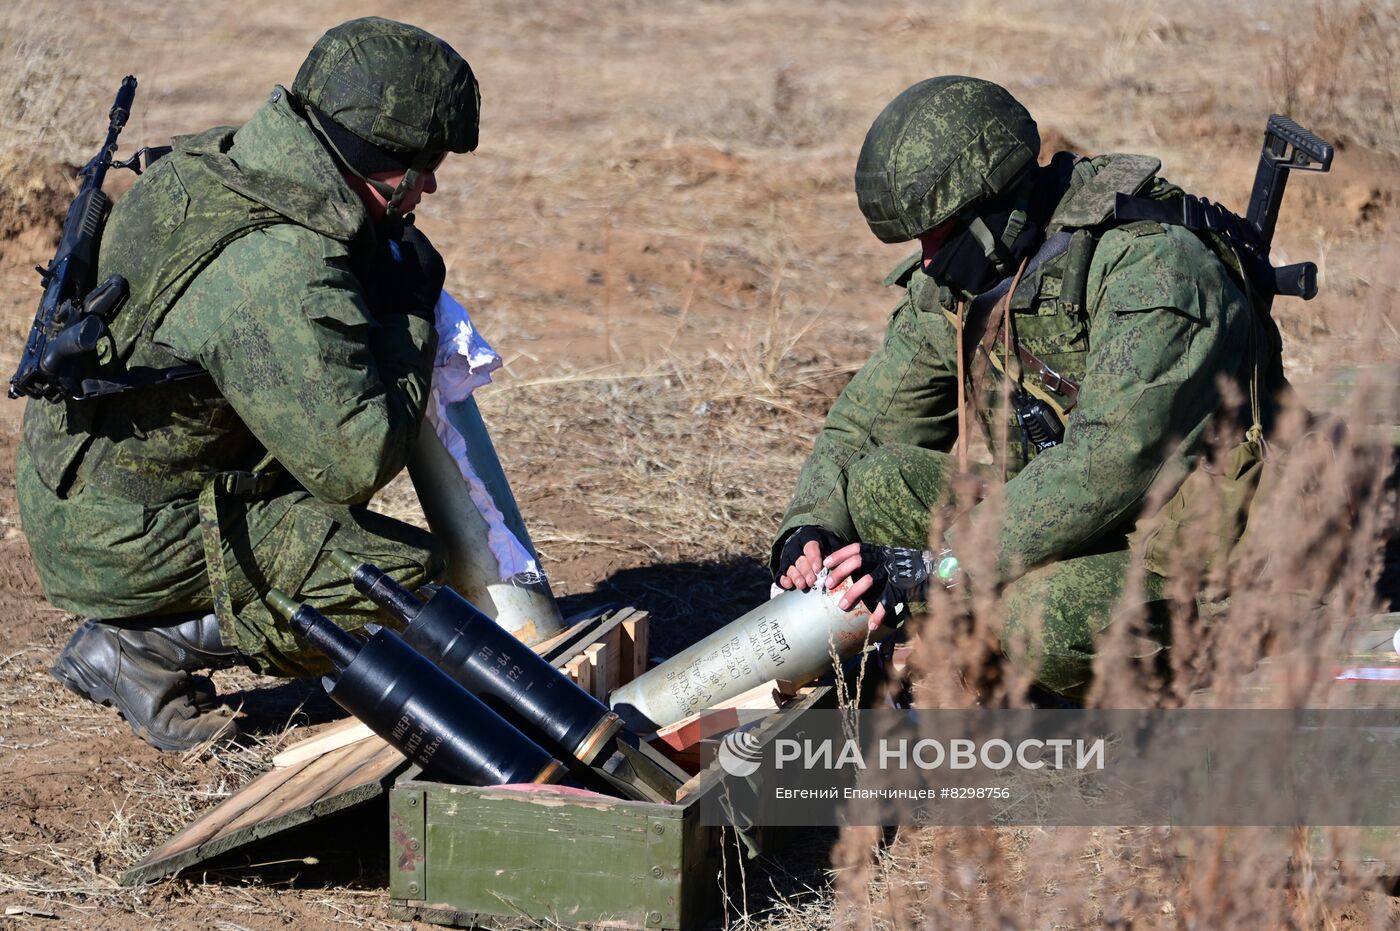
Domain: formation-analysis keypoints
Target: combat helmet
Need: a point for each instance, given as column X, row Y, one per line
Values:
column 949, row 147
column 389, row 96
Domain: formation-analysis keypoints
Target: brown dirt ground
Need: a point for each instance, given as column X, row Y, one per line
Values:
column 658, row 233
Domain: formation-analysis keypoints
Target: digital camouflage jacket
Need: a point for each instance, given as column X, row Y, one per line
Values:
column 1145, row 317
column 248, row 255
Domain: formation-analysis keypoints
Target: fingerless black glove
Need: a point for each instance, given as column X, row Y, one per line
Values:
column 901, row 575
column 799, row 538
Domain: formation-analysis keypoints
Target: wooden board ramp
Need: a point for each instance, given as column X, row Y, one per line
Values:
column 346, row 764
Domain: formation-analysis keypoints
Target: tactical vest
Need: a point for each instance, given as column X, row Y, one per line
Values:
column 1049, row 305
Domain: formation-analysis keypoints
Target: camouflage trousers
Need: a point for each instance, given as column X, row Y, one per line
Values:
column 294, row 555
column 1052, row 614
column 153, row 563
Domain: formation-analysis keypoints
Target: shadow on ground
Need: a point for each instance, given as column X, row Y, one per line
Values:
column 686, row 600
column 271, row 709
column 346, row 850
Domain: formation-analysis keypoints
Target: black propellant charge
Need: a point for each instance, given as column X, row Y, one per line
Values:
column 483, row 656
column 420, row 710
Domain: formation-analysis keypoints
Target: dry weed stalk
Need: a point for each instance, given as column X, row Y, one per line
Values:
column 1340, row 71
column 1297, row 582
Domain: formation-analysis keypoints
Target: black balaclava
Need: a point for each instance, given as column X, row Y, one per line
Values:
column 994, row 236
column 361, row 157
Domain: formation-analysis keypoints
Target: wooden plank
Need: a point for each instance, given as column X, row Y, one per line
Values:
column 333, row 737
column 689, row 786
column 212, row 823
column 822, row 696
column 635, row 642
column 567, row 635
column 581, row 672
column 584, row 631
column 723, row 716
column 368, row 773
column 684, row 741
column 373, row 756
column 613, row 642
column 598, row 655
column 310, row 784
column 589, row 632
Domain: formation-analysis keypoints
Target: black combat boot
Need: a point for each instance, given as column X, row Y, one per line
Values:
column 142, row 668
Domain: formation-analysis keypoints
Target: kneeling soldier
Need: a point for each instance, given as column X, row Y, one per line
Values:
column 280, row 258
column 1116, row 334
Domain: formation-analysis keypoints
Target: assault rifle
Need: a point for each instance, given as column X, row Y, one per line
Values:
column 72, row 315
column 1287, row 147
column 70, row 337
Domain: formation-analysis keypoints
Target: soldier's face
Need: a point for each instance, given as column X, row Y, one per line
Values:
column 376, row 203
column 933, row 240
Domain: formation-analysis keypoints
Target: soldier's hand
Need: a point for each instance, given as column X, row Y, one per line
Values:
column 801, row 557
column 846, row 563
column 885, row 577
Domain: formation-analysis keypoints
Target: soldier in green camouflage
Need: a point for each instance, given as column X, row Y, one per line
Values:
column 1122, row 331
column 280, row 257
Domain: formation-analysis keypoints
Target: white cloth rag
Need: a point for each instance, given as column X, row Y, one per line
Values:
column 464, row 363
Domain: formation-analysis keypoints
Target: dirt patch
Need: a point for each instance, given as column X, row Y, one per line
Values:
column 34, row 197
column 1053, row 140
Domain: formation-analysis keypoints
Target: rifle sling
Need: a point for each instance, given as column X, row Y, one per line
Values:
column 1193, row 213
column 136, row 378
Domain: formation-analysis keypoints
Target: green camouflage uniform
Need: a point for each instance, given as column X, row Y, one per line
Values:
column 248, row 255
column 1147, row 327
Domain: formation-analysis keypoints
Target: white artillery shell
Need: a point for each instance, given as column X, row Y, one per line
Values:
column 792, row 637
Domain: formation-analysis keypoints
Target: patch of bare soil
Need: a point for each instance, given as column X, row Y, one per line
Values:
column 34, row 197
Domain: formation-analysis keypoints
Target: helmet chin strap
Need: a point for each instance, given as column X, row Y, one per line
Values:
column 991, row 240
column 998, row 249
column 393, row 196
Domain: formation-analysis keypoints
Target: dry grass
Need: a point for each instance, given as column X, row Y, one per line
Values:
column 1340, row 67
column 1301, row 584
column 659, row 235
column 43, row 113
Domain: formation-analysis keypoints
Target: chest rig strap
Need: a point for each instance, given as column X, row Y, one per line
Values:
column 984, row 327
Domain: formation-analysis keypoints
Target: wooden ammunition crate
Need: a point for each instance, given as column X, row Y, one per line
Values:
column 465, row 855
column 460, row 854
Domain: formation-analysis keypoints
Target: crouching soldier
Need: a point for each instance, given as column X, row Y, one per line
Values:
column 1116, row 334
column 280, row 259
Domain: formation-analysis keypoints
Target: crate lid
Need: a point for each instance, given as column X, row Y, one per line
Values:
column 343, row 767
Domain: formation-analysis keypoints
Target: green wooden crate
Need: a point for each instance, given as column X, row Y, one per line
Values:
column 462, row 854
column 468, row 855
